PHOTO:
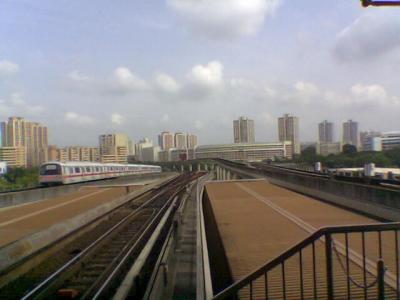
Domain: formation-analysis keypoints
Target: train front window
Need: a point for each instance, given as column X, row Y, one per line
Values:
column 50, row 169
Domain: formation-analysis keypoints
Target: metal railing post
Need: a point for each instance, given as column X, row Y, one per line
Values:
column 329, row 266
column 381, row 279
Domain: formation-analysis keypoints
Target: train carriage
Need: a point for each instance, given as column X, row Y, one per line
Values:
column 53, row 173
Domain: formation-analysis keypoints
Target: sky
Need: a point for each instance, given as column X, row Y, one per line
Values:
column 85, row 68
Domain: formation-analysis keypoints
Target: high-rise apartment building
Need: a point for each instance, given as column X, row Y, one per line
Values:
column 180, row 140
column 114, row 147
column 3, row 134
column 288, row 130
column 191, row 141
column 350, row 133
column 16, row 132
column 325, row 132
column 166, row 140
column 243, row 131
column 30, row 135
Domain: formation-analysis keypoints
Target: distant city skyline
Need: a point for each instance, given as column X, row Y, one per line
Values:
column 148, row 66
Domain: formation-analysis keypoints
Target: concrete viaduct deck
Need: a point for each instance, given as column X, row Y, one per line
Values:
column 255, row 221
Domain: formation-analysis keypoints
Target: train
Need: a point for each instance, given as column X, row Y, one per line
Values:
column 57, row 173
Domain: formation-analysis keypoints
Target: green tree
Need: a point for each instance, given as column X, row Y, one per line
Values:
column 349, row 149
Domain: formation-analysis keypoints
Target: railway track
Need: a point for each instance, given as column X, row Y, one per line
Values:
column 95, row 271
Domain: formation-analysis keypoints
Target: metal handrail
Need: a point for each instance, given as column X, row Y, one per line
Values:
column 319, row 234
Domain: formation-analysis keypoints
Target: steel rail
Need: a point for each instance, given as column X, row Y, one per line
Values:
column 146, row 231
column 75, row 259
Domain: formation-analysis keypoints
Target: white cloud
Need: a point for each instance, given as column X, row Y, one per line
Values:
column 8, row 68
column 78, row 119
column 127, row 80
column 198, row 124
column 78, row 76
column 362, row 97
column 210, row 75
column 268, row 118
column 165, row 118
column 270, row 92
column 372, row 92
column 21, row 106
column 15, row 104
column 241, row 83
column 117, row 119
column 166, row 83
column 306, row 88
column 224, row 18
column 369, row 36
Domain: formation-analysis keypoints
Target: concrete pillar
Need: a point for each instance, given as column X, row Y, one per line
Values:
column 228, row 175
column 182, row 168
column 198, row 167
column 190, row 168
column 205, row 167
column 223, row 174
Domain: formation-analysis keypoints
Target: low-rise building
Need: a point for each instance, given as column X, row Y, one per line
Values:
column 73, row 153
column 62, row 155
column 179, row 154
column 115, row 159
column 52, row 153
column 14, row 156
column 246, row 152
column 164, row 156
column 325, row 149
column 150, row 154
column 390, row 140
column 365, row 139
column 372, row 143
column 94, row 154
column 140, row 146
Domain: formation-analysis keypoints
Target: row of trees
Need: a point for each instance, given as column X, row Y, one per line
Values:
column 350, row 158
column 19, row 178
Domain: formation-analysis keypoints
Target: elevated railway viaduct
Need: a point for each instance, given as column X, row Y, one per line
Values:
column 220, row 230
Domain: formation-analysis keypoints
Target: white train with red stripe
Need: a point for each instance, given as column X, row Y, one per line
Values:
column 52, row 173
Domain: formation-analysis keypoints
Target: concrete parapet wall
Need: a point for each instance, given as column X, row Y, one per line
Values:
column 372, row 200
column 18, row 250
column 22, row 197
